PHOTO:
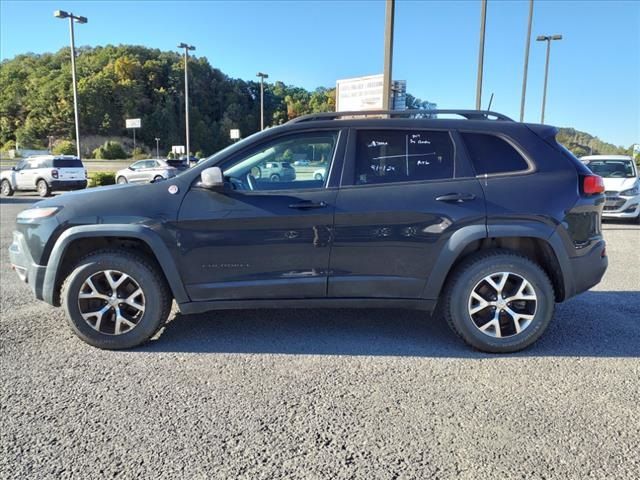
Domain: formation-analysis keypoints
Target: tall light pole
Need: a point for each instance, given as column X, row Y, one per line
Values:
column 186, row 92
column 526, row 62
column 262, row 77
column 388, row 54
column 483, row 24
column 79, row 19
column 157, row 147
column 548, row 39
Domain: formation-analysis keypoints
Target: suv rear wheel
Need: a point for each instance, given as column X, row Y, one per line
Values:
column 6, row 189
column 43, row 188
column 115, row 299
column 122, row 180
column 498, row 301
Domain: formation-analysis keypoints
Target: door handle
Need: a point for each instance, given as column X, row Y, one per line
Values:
column 307, row 205
column 456, row 197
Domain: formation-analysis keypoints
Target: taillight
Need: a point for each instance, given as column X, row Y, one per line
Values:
column 592, row 185
column 54, row 173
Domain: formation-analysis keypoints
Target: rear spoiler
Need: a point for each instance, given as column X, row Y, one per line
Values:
column 546, row 132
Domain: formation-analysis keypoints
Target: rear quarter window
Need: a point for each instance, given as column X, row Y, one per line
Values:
column 491, row 154
column 67, row 163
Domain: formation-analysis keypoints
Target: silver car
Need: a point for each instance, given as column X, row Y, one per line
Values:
column 144, row 171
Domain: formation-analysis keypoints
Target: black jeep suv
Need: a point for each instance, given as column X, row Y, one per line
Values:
column 486, row 221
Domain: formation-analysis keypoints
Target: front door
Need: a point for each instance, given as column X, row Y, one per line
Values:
column 406, row 194
column 261, row 237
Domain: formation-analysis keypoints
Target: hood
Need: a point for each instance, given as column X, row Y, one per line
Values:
column 619, row 184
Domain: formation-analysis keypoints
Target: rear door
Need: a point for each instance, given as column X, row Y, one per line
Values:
column 405, row 192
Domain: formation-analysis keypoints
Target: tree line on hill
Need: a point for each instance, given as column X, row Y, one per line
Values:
column 125, row 81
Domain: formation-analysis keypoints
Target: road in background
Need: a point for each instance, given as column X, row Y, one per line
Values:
column 362, row 394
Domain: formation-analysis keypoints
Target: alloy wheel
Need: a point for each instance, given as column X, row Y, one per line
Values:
column 111, row 302
column 502, row 304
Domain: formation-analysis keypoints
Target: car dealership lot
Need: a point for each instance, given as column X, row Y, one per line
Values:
column 324, row 393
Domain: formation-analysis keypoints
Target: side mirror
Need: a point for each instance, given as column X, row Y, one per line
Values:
column 14, row 168
column 131, row 168
column 212, row 178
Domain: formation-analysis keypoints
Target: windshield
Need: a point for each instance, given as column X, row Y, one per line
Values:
column 612, row 168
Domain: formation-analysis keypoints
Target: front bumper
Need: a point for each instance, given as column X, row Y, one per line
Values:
column 63, row 185
column 21, row 262
column 621, row 207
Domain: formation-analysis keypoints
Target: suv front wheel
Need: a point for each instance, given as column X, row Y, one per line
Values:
column 115, row 299
column 498, row 301
column 43, row 188
column 6, row 189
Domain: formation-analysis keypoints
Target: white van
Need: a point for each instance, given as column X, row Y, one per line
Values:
column 44, row 174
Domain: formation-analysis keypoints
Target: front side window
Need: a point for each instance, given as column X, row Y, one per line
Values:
column 291, row 162
column 388, row 156
column 491, row 154
column 137, row 165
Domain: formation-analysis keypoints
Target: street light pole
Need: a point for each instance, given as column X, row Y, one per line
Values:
column 548, row 39
column 262, row 77
column 157, row 147
column 186, row 92
column 483, row 23
column 526, row 62
column 388, row 54
column 79, row 19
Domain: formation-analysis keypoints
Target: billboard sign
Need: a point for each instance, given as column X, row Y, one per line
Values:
column 366, row 93
column 234, row 134
column 134, row 123
column 178, row 149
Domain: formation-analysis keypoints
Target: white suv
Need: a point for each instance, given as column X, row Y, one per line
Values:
column 621, row 184
column 44, row 174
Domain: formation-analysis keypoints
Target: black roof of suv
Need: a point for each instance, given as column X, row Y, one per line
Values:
column 486, row 221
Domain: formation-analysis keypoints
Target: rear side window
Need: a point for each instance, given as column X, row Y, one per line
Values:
column 491, row 154
column 388, row 156
column 67, row 163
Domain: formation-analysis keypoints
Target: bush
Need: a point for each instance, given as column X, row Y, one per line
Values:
column 9, row 145
column 139, row 154
column 110, row 151
column 64, row 147
column 98, row 179
column 200, row 154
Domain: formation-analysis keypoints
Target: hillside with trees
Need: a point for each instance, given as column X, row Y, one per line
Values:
column 581, row 143
column 119, row 82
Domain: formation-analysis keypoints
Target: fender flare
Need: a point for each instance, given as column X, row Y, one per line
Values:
column 139, row 232
column 462, row 238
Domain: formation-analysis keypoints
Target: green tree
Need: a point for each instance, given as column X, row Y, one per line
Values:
column 64, row 147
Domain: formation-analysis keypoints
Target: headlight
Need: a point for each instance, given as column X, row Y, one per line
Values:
column 35, row 213
column 632, row 192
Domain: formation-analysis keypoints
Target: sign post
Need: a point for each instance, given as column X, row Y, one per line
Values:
column 134, row 123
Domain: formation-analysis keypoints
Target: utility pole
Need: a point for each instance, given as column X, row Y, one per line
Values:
column 262, row 77
column 157, row 147
column 186, row 92
column 79, row 19
column 548, row 39
column 388, row 54
column 483, row 24
column 526, row 62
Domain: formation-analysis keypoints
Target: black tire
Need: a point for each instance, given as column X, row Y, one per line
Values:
column 318, row 176
column 455, row 307
column 156, row 293
column 44, row 190
column 274, row 178
column 158, row 178
column 6, row 189
column 121, row 180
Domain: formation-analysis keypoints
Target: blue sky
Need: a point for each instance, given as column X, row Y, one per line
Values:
column 594, row 80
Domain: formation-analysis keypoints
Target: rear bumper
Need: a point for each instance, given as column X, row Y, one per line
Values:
column 588, row 269
column 27, row 270
column 61, row 185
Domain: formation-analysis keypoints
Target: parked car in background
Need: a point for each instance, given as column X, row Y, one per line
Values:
column 44, row 174
column 181, row 165
column 145, row 171
column 302, row 163
column 190, row 159
column 320, row 173
column 621, row 183
column 276, row 172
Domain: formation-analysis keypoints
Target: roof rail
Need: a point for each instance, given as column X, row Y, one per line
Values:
column 468, row 114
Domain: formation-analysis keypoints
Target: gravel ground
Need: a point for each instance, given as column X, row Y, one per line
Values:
column 324, row 393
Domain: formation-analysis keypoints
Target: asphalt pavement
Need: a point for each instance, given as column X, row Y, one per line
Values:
column 340, row 394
